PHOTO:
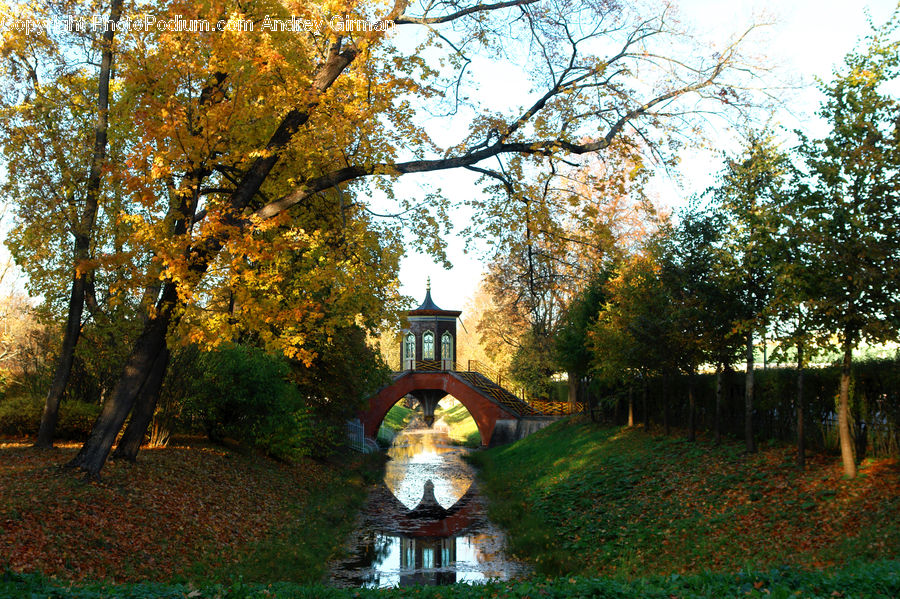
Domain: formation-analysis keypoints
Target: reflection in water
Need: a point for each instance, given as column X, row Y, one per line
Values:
column 426, row 524
column 422, row 455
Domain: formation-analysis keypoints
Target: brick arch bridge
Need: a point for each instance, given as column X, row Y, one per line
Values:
column 499, row 414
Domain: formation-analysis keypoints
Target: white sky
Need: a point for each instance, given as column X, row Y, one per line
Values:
column 808, row 39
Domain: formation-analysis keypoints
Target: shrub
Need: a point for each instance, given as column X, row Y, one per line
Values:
column 20, row 416
column 243, row 393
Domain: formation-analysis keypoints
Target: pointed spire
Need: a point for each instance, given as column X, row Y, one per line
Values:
column 428, row 304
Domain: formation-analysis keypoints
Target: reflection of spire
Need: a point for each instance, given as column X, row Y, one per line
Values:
column 429, row 507
column 428, row 283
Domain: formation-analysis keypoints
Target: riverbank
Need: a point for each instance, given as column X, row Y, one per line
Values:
column 192, row 511
column 461, row 426
column 395, row 420
column 578, row 499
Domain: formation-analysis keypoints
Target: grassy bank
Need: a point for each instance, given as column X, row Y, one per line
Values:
column 879, row 580
column 394, row 421
column 189, row 512
column 584, row 500
column 463, row 429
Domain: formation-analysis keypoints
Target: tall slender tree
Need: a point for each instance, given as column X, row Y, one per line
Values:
column 747, row 194
column 50, row 61
column 853, row 210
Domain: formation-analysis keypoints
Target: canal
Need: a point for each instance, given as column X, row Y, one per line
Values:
column 425, row 523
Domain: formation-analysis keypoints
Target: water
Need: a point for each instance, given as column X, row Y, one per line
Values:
column 425, row 523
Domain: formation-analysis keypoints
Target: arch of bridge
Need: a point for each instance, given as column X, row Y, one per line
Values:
column 484, row 412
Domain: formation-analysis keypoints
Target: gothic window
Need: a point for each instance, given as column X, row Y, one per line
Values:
column 409, row 348
column 428, row 345
column 447, row 347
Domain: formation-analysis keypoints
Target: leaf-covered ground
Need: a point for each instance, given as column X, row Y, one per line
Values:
column 189, row 511
column 617, row 501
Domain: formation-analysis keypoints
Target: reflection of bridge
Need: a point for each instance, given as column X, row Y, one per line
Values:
column 428, row 533
column 428, row 355
column 428, row 519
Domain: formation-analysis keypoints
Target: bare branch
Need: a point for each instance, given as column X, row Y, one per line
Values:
column 409, row 20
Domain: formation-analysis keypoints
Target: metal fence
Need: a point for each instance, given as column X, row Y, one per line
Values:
column 356, row 436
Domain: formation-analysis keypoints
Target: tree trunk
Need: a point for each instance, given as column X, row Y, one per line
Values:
column 801, row 450
column 573, row 391
column 50, row 414
column 137, row 370
column 692, row 424
column 142, row 414
column 718, row 432
column 665, row 399
column 630, row 405
column 645, row 401
column 748, row 398
column 82, row 248
column 844, row 412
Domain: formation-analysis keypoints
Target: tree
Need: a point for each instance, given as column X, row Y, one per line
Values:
column 796, row 283
column 852, row 214
column 33, row 58
column 631, row 339
column 550, row 238
column 702, row 310
column 749, row 190
column 236, row 133
column 571, row 346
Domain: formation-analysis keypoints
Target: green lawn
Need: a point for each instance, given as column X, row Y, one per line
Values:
column 463, row 429
column 578, row 499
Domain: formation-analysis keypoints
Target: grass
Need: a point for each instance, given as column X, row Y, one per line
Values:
column 616, row 501
column 878, row 580
column 189, row 512
column 463, row 429
column 394, row 421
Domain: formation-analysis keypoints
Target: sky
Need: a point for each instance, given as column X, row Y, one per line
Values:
column 808, row 39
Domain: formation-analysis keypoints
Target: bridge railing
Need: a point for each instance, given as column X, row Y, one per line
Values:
column 550, row 408
column 556, row 408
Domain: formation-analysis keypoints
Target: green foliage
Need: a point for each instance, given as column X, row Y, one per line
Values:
column 532, row 364
column 244, row 393
column 345, row 371
column 860, row 581
column 852, row 207
column 632, row 335
column 571, row 341
column 20, row 416
column 751, row 185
